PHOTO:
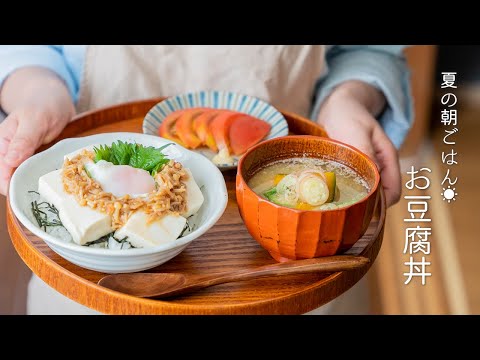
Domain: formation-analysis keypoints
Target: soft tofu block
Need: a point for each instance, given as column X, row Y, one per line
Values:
column 71, row 155
column 162, row 231
column 50, row 186
column 194, row 195
column 83, row 223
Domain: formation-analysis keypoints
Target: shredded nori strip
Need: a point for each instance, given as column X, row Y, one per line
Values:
column 185, row 228
column 39, row 212
column 105, row 239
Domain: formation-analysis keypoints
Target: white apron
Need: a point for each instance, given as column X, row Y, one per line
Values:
column 283, row 75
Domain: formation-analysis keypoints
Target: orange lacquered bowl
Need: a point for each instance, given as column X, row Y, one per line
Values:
column 290, row 234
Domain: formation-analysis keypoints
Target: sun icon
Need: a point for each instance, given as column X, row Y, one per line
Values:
column 449, row 194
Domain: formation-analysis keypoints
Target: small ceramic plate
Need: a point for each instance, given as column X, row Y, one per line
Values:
column 217, row 100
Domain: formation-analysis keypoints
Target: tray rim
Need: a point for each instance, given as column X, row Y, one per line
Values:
column 112, row 301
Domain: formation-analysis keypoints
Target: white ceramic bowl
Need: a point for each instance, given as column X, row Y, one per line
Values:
column 206, row 174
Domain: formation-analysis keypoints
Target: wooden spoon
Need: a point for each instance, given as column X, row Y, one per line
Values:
column 169, row 284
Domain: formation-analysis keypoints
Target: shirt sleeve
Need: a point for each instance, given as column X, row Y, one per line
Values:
column 381, row 66
column 13, row 57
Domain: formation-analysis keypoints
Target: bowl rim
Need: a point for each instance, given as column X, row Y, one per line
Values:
column 71, row 246
column 247, row 188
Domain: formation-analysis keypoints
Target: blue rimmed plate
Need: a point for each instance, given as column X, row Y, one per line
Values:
column 217, row 100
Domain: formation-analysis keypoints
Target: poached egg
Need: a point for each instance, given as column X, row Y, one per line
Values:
column 121, row 180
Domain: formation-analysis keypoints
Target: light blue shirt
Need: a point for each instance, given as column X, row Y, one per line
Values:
column 382, row 66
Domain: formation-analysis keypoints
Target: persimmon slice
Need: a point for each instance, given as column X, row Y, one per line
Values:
column 201, row 126
column 184, row 128
column 167, row 128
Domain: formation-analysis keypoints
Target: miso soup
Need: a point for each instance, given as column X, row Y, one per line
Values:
column 309, row 184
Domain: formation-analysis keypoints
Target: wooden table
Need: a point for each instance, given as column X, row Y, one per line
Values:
column 226, row 246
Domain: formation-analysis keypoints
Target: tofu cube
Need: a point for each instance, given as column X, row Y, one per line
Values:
column 162, row 231
column 83, row 223
column 194, row 195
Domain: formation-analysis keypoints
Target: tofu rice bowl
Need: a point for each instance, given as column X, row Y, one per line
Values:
column 117, row 196
column 117, row 202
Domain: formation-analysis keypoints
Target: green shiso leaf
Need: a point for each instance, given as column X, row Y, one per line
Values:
column 138, row 156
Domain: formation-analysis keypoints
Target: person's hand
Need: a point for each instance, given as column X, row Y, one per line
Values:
column 22, row 132
column 348, row 116
column 38, row 115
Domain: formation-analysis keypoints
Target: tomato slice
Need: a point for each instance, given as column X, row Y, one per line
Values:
column 246, row 131
column 220, row 128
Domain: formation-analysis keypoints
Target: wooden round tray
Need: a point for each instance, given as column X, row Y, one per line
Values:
column 226, row 246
